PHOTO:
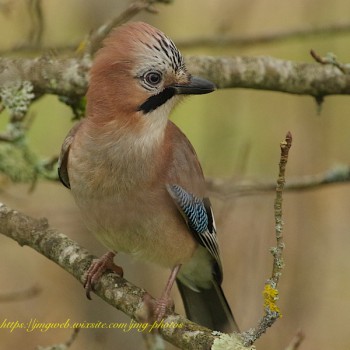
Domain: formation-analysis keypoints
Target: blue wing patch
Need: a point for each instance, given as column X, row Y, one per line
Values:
column 199, row 218
column 191, row 207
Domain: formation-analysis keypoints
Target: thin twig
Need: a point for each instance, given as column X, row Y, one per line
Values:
column 330, row 59
column 278, row 263
column 266, row 38
column 296, row 341
column 74, row 335
column 224, row 189
column 94, row 41
column 271, row 310
column 23, row 294
column 37, row 18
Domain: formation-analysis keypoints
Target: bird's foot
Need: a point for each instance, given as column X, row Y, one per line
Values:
column 97, row 268
column 161, row 305
column 165, row 301
column 154, row 310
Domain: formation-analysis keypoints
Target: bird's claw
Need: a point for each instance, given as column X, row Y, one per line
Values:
column 154, row 309
column 97, row 268
column 162, row 304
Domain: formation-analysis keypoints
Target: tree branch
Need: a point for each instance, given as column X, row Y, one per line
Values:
column 226, row 188
column 216, row 41
column 49, row 75
column 268, row 73
column 266, row 38
column 116, row 291
column 68, row 77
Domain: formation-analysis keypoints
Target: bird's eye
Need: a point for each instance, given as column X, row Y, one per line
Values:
column 153, row 78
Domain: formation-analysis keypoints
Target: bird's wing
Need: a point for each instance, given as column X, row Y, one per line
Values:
column 63, row 159
column 199, row 218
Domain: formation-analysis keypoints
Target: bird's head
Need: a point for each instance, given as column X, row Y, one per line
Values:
column 139, row 72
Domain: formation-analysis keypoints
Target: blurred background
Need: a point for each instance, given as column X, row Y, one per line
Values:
column 236, row 134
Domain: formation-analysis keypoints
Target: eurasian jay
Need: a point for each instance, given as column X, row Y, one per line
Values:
column 136, row 177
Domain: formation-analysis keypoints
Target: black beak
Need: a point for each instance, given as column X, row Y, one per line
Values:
column 196, row 86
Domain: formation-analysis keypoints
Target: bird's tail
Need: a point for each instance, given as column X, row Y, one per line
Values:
column 208, row 307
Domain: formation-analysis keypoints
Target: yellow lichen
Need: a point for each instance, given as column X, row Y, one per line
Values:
column 270, row 299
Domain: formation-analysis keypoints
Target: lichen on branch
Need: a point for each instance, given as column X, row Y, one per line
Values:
column 69, row 77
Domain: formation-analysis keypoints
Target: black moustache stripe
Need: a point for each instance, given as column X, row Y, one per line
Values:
column 156, row 101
